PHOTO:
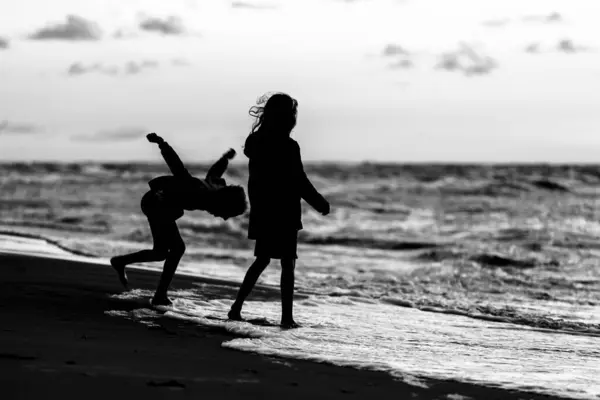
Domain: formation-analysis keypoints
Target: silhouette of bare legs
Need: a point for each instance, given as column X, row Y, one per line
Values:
column 287, row 290
column 288, row 266
column 168, row 246
column 254, row 272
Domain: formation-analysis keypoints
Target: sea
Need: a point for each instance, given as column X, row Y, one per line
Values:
column 477, row 273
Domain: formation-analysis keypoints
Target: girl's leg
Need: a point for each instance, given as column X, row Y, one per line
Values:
column 288, row 266
column 257, row 268
column 176, row 251
column 159, row 252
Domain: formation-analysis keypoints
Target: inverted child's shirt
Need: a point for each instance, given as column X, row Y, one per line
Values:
column 182, row 191
column 186, row 193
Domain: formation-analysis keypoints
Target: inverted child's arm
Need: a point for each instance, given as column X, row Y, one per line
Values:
column 307, row 191
column 219, row 168
column 170, row 156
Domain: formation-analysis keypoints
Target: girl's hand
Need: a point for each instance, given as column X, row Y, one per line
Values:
column 154, row 138
column 229, row 154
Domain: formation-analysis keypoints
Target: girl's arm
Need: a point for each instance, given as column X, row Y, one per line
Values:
column 219, row 168
column 171, row 158
column 307, row 191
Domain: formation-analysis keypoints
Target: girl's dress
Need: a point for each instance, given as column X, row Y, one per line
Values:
column 276, row 185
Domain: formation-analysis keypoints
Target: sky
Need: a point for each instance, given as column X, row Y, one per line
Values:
column 376, row 80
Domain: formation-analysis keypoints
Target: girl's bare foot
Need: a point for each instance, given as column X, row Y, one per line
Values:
column 234, row 314
column 120, row 268
column 161, row 300
column 289, row 324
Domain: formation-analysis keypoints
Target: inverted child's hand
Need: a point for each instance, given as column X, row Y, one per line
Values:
column 326, row 209
column 154, row 138
column 229, row 154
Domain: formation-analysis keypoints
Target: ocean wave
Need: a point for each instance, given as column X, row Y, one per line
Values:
column 52, row 241
column 367, row 242
column 547, row 184
column 505, row 315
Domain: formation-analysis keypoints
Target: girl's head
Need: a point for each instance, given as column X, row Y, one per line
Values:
column 277, row 116
column 228, row 202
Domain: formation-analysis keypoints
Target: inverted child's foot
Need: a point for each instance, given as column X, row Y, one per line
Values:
column 291, row 324
column 161, row 301
column 234, row 315
column 120, row 268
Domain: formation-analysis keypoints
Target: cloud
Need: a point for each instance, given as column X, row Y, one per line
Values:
column 123, row 34
column 119, row 134
column 569, row 47
column 180, row 62
column 566, row 46
column 402, row 64
column 496, row 23
column 4, row 43
column 10, row 127
column 130, row 68
column 467, row 61
column 252, row 6
column 402, row 56
column 170, row 26
column 77, row 69
column 75, row 28
column 545, row 19
column 542, row 18
column 533, row 48
column 134, row 68
column 394, row 50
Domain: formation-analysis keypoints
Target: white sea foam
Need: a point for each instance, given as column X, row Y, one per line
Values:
column 407, row 342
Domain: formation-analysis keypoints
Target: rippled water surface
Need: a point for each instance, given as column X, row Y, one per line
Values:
column 486, row 273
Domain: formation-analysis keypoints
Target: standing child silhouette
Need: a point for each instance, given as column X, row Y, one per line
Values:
column 165, row 203
column 276, row 184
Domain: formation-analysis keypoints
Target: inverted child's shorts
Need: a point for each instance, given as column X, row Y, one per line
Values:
column 278, row 245
column 155, row 206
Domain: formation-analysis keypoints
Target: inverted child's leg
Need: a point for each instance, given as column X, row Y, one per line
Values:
column 288, row 266
column 257, row 268
column 158, row 253
column 176, row 251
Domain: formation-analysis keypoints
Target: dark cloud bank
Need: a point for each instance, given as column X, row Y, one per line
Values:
column 75, row 28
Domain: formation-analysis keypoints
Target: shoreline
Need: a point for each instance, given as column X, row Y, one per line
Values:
column 56, row 337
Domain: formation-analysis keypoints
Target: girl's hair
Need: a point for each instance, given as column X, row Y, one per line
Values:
column 231, row 201
column 278, row 115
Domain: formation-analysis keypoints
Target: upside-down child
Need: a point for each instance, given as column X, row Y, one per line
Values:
column 165, row 203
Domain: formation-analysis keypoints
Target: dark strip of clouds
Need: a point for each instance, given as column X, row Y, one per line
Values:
column 466, row 61
column 496, row 23
column 10, row 127
column 130, row 68
column 566, row 46
column 113, row 135
column 533, row 48
column 546, row 19
column 75, row 28
column 402, row 64
column 123, row 34
column 4, row 43
column 394, row 50
column 134, row 68
column 78, row 69
column 169, row 26
column 551, row 18
column 180, row 62
column 252, row 6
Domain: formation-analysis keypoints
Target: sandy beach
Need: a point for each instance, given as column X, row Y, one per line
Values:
column 57, row 338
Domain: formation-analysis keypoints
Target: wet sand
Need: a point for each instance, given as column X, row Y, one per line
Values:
column 57, row 340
